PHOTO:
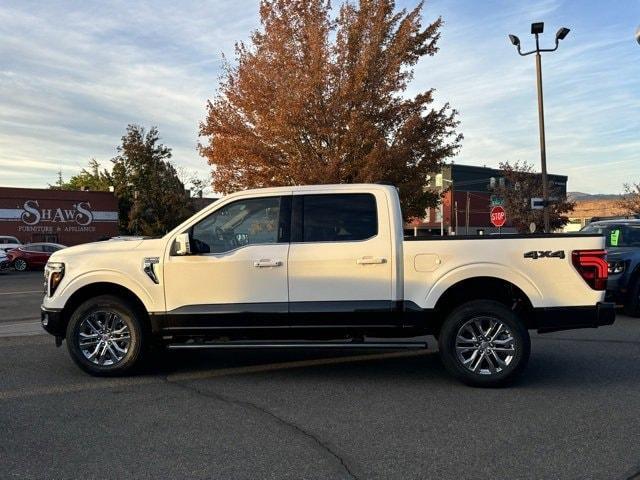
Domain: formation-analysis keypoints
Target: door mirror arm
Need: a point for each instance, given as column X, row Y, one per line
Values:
column 182, row 245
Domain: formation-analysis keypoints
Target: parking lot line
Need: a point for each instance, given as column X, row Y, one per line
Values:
column 20, row 329
column 22, row 293
column 190, row 376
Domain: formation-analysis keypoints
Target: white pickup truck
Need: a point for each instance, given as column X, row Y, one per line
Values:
column 322, row 266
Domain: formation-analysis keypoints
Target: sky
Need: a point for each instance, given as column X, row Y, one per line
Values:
column 74, row 74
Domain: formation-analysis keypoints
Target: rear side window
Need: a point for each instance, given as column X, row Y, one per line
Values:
column 338, row 217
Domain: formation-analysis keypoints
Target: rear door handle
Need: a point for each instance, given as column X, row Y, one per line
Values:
column 370, row 260
column 266, row 262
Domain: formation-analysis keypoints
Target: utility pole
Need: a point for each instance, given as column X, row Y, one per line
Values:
column 536, row 29
column 466, row 213
column 456, row 212
column 440, row 183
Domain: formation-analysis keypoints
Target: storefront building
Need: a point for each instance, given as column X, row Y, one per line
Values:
column 59, row 216
column 466, row 204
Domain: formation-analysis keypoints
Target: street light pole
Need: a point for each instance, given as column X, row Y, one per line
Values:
column 543, row 145
column 536, row 29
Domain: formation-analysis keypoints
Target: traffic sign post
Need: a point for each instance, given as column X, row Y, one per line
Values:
column 498, row 216
column 496, row 201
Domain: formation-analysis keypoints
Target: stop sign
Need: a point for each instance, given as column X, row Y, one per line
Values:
column 498, row 216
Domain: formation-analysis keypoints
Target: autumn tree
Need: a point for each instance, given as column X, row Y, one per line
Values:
column 631, row 198
column 151, row 198
column 317, row 99
column 520, row 185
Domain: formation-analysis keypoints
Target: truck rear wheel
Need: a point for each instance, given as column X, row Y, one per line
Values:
column 105, row 336
column 484, row 344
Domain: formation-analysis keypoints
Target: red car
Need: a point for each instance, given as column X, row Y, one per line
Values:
column 32, row 255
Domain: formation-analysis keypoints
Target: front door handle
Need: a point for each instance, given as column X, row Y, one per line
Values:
column 371, row 260
column 266, row 262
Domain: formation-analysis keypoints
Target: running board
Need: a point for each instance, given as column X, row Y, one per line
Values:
column 361, row 345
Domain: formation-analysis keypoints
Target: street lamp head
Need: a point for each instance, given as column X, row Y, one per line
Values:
column 537, row 27
column 562, row 33
column 515, row 40
column 638, row 35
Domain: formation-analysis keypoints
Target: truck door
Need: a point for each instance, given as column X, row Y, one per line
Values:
column 340, row 260
column 236, row 275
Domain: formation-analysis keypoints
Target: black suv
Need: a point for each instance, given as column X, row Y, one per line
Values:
column 623, row 247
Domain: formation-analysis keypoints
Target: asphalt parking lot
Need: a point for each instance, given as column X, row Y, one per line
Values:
column 575, row 413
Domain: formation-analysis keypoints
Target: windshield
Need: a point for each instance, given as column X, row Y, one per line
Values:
column 616, row 235
column 6, row 240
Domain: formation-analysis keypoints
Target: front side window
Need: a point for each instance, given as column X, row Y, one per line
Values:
column 241, row 223
column 339, row 217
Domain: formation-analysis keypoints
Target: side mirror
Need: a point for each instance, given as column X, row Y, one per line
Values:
column 182, row 245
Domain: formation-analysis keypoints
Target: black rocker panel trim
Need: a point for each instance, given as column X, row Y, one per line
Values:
column 332, row 314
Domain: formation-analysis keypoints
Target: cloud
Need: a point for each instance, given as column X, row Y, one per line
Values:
column 74, row 75
column 591, row 85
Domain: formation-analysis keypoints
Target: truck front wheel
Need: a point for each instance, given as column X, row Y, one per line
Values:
column 105, row 336
column 484, row 344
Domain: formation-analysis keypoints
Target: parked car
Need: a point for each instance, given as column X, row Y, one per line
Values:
column 623, row 245
column 32, row 255
column 322, row 267
column 5, row 263
column 8, row 242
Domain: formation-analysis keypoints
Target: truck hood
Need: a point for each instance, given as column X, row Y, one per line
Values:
column 109, row 246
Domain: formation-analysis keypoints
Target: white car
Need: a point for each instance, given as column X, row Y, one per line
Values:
column 322, row 267
column 8, row 242
column 5, row 263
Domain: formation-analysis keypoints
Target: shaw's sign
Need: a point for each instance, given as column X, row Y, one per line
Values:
column 80, row 213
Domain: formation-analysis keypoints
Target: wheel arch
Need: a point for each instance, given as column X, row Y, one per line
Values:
column 104, row 288
column 485, row 288
column 484, row 270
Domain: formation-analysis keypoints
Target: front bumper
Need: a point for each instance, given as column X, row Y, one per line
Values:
column 4, row 265
column 569, row 318
column 53, row 322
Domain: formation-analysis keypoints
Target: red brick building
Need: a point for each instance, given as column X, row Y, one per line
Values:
column 466, row 203
column 60, row 216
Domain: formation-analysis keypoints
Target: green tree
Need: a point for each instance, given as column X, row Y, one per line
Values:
column 317, row 99
column 91, row 178
column 151, row 198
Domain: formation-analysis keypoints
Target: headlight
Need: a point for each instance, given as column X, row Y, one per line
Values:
column 53, row 275
column 616, row 267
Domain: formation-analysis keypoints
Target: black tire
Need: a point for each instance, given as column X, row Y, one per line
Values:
column 20, row 265
column 102, row 307
column 489, row 311
column 632, row 305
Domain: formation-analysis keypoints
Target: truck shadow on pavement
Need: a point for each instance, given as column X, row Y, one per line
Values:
column 554, row 363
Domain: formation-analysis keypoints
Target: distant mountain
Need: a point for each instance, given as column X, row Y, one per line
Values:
column 577, row 196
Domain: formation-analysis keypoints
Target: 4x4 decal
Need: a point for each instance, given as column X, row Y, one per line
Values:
column 535, row 254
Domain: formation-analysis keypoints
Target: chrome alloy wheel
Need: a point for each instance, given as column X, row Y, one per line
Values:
column 20, row 265
column 484, row 345
column 104, row 337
